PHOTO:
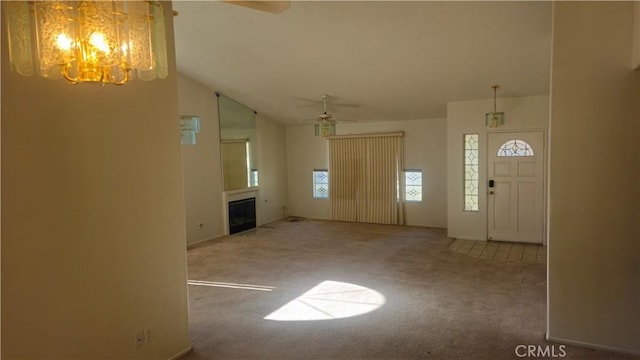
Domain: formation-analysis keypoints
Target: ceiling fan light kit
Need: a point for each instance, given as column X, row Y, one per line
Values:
column 326, row 126
column 494, row 119
column 325, row 129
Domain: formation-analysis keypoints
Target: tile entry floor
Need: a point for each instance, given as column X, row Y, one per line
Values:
column 527, row 253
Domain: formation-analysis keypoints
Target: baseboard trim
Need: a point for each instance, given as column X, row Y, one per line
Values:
column 463, row 237
column 271, row 221
column 189, row 245
column 181, row 353
column 592, row 346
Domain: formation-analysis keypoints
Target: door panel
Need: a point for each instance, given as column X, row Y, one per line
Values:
column 515, row 203
column 526, row 206
column 502, row 209
column 526, row 169
column 502, row 169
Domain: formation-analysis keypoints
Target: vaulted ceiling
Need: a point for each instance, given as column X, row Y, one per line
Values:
column 378, row 60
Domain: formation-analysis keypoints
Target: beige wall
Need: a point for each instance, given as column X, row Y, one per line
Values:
column 201, row 163
column 594, row 252
column 424, row 148
column 468, row 117
column 203, row 168
column 305, row 152
column 272, row 170
column 93, row 240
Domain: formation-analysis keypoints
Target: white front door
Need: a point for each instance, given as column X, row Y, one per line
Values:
column 516, row 187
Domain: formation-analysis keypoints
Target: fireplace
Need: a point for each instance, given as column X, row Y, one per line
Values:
column 242, row 215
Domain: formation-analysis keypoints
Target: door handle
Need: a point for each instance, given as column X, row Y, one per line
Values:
column 490, row 192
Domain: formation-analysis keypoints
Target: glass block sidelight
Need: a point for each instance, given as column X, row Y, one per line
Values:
column 471, row 172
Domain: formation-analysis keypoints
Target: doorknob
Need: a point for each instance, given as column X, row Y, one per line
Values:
column 490, row 192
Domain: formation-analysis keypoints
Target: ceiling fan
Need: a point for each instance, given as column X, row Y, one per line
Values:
column 274, row 7
column 324, row 117
column 325, row 124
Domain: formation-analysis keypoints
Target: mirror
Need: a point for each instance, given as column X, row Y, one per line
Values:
column 238, row 144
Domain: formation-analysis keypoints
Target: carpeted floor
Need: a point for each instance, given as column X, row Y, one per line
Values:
column 438, row 304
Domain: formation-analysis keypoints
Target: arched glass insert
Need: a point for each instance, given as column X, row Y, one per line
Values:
column 515, row 148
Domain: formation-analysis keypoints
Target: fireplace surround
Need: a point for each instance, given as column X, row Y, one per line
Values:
column 240, row 209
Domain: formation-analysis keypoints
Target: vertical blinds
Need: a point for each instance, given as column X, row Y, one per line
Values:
column 364, row 173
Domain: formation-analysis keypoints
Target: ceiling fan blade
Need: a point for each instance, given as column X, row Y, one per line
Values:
column 315, row 103
column 345, row 105
column 274, row 7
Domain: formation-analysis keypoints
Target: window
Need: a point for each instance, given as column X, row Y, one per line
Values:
column 254, row 177
column 515, row 148
column 471, row 172
column 413, row 185
column 320, row 184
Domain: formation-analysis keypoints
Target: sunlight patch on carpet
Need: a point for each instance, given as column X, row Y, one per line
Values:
column 330, row 300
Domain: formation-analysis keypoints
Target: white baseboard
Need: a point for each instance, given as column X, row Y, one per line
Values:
column 270, row 221
column 463, row 237
column 205, row 240
column 181, row 353
column 592, row 346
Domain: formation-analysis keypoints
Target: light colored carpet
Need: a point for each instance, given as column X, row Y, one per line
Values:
column 438, row 304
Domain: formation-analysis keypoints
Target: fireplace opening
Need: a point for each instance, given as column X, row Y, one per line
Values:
column 242, row 215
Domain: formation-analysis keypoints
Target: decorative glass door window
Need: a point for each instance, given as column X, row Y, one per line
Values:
column 471, row 172
column 320, row 184
column 515, row 148
column 413, row 185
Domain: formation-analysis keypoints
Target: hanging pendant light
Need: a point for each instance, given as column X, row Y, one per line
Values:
column 105, row 42
column 325, row 129
column 494, row 119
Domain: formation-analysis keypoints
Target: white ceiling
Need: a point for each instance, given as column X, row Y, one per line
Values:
column 389, row 60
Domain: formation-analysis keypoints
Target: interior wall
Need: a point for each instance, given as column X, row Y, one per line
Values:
column 305, row 152
column 272, row 171
column 93, row 236
column 201, row 163
column 203, row 167
column 424, row 148
column 594, row 252
column 468, row 117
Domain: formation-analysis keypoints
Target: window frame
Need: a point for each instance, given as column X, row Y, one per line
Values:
column 467, row 180
column 315, row 184
column 405, row 172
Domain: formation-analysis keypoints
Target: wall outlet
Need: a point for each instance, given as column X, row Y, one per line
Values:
column 200, row 226
column 140, row 339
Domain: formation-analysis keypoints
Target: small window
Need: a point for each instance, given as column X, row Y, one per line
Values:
column 413, row 185
column 254, row 177
column 515, row 148
column 320, row 184
column 471, row 172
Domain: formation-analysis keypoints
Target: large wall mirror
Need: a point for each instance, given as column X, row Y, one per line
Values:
column 238, row 144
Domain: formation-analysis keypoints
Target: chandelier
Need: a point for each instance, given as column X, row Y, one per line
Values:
column 105, row 42
column 494, row 119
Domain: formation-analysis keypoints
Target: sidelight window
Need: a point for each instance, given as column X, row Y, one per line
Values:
column 471, row 172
